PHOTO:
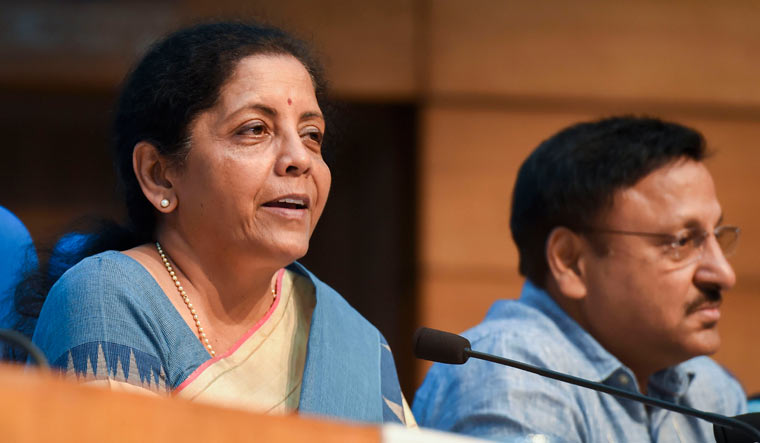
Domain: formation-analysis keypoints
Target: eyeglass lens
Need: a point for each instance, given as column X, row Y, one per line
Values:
column 727, row 237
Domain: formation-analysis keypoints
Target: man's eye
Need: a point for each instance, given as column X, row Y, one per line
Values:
column 684, row 240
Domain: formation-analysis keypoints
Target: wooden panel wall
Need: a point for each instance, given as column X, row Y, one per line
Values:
column 678, row 50
column 368, row 46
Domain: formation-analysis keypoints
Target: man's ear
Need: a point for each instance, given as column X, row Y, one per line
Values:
column 564, row 254
column 152, row 170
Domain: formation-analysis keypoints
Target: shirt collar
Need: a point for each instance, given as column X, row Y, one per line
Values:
column 671, row 382
column 601, row 364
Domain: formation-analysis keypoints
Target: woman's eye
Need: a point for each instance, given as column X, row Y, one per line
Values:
column 257, row 129
column 313, row 135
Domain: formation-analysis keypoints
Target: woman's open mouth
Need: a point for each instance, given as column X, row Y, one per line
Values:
column 289, row 206
column 288, row 203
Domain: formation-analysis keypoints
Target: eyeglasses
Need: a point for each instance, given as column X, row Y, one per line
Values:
column 689, row 245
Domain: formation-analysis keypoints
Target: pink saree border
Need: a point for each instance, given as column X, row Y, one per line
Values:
column 199, row 370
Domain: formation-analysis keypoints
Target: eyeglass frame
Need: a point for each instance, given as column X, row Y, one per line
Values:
column 674, row 239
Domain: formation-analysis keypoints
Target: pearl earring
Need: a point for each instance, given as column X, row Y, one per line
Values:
column 165, row 203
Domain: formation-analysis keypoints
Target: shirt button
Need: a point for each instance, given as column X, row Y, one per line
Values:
column 623, row 379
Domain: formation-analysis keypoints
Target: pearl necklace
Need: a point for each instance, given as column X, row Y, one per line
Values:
column 186, row 299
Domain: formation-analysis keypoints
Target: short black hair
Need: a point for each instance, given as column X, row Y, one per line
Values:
column 569, row 179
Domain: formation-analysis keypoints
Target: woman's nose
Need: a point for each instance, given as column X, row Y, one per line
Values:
column 294, row 158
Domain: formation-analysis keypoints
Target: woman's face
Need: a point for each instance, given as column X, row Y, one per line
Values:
column 254, row 181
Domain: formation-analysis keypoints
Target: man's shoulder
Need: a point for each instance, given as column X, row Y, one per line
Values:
column 707, row 371
column 486, row 399
column 706, row 367
column 512, row 330
column 519, row 331
column 713, row 388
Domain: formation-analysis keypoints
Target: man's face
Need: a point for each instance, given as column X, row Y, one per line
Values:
column 646, row 308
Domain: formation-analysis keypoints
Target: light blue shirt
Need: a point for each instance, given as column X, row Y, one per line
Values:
column 488, row 400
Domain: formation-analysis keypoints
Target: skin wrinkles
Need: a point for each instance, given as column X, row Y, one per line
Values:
column 707, row 294
column 226, row 240
column 643, row 308
column 240, row 105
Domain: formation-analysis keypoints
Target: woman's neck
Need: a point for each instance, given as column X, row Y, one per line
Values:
column 227, row 287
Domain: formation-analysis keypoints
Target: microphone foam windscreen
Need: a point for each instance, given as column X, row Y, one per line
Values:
column 440, row 346
column 726, row 435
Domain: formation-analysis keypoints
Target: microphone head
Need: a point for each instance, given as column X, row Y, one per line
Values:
column 440, row 346
column 727, row 435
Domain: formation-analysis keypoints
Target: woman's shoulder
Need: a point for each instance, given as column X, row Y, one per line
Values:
column 106, row 273
column 108, row 305
column 102, row 291
column 102, row 260
column 106, row 288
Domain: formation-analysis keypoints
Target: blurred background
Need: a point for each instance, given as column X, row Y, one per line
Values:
column 437, row 102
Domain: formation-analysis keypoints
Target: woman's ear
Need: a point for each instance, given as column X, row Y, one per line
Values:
column 564, row 254
column 151, row 170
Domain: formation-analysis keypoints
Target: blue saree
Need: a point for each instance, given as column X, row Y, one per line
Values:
column 107, row 318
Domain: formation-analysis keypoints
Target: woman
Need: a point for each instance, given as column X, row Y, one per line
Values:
column 218, row 140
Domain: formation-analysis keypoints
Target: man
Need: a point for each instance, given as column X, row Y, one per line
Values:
column 622, row 242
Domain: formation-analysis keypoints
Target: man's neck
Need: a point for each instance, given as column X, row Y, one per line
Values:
column 574, row 310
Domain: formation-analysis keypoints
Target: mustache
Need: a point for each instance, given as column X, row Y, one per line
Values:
column 706, row 295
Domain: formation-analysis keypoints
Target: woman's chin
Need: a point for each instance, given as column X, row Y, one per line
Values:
column 279, row 248
column 289, row 252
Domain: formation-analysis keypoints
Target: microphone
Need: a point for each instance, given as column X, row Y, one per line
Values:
column 729, row 435
column 18, row 339
column 445, row 347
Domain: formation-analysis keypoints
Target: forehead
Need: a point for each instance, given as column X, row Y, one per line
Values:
column 266, row 76
column 679, row 194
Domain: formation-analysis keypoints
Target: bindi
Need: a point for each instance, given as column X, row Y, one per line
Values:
column 290, row 101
